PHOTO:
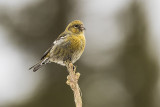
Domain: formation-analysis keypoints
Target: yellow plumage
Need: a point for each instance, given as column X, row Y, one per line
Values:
column 78, row 41
column 69, row 46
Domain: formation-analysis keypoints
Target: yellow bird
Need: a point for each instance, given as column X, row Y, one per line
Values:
column 68, row 47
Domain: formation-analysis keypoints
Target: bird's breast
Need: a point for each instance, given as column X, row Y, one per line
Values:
column 77, row 42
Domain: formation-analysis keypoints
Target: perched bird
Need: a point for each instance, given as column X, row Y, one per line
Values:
column 68, row 47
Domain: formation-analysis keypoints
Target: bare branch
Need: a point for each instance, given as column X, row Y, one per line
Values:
column 72, row 81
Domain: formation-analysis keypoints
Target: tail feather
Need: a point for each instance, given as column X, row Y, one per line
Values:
column 36, row 67
column 39, row 65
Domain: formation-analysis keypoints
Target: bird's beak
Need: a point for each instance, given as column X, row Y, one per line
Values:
column 82, row 28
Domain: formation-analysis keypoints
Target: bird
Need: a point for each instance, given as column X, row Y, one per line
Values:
column 67, row 48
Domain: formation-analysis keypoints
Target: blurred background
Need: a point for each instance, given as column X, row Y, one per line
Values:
column 119, row 68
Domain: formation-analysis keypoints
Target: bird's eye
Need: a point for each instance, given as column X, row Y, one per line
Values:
column 76, row 26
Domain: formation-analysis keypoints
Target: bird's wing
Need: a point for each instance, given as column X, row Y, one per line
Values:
column 45, row 54
column 61, row 37
column 57, row 41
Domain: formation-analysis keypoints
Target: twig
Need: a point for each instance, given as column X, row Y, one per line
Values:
column 72, row 81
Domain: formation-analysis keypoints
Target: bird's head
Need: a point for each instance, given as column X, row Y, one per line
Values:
column 76, row 27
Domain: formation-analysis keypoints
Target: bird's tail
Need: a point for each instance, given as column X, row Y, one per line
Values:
column 39, row 65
